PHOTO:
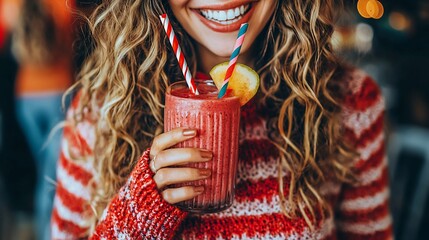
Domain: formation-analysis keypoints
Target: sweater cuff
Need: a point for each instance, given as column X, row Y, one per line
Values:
column 139, row 209
column 164, row 218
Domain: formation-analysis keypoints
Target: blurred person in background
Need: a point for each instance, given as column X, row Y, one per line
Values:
column 42, row 44
column 15, row 192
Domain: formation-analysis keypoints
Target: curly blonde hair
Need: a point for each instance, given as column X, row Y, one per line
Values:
column 128, row 71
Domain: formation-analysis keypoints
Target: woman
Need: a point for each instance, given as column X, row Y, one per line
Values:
column 312, row 160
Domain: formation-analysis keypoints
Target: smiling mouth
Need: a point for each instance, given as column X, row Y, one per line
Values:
column 225, row 17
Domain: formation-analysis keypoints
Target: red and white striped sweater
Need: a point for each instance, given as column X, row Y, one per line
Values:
column 139, row 212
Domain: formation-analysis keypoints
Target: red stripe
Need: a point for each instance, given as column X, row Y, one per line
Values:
column 182, row 61
column 175, row 44
column 169, row 28
column 368, row 94
column 75, row 170
column 256, row 150
column 252, row 226
column 75, row 101
column 229, row 71
column 71, row 201
column 66, row 226
column 84, row 145
column 250, row 117
column 350, row 192
column 367, row 215
column 247, row 191
column 368, row 134
column 386, row 234
column 264, row 189
column 76, row 141
column 194, row 87
column 374, row 160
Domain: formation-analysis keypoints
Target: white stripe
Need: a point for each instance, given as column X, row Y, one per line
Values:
column 72, row 185
column 268, row 205
column 252, row 208
column 123, row 236
column 266, row 236
column 72, row 152
column 65, row 213
column 87, row 131
column 185, row 69
column 171, row 37
column 320, row 233
column 366, row 203
column 372, row 174
column 368, row 227
column 178, row 55
column 188, row 77
column 70, row 114
column 372, row 147
column 58, row 234
column 362, row 120
column 258, row 170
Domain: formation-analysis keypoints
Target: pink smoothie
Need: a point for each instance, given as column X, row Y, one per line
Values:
column 217, row 121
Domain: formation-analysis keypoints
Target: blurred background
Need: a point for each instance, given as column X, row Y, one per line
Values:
column 392, row 46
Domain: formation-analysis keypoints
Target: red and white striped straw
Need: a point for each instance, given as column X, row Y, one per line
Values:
column 179, row 54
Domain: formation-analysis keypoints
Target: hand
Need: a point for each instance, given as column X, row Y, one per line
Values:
column 162, row 160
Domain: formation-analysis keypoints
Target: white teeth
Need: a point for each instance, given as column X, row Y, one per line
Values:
column 222, row 15
column 216, row 14
column 230, row 14
column 237, row 11
column 227, row 16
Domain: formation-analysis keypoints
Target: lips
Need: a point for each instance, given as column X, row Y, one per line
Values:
column 225, row 18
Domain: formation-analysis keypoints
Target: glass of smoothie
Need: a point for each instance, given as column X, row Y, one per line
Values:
column 217, row 122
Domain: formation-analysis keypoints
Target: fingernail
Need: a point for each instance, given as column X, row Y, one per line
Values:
column 199, row 189
column 206, row 154
column 189, row 132
column 205, row 172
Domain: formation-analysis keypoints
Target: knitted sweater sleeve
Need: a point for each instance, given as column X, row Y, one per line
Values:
column 137, row 211
column 363, row 209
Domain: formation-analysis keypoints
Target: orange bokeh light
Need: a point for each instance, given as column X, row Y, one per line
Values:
column 370, row 9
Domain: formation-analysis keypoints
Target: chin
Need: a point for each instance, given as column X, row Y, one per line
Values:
column 223, row 51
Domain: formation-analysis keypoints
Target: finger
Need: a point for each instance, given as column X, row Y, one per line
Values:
column 171, row 138
column 168, row 176
column 175, row 195
column 180, row 156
